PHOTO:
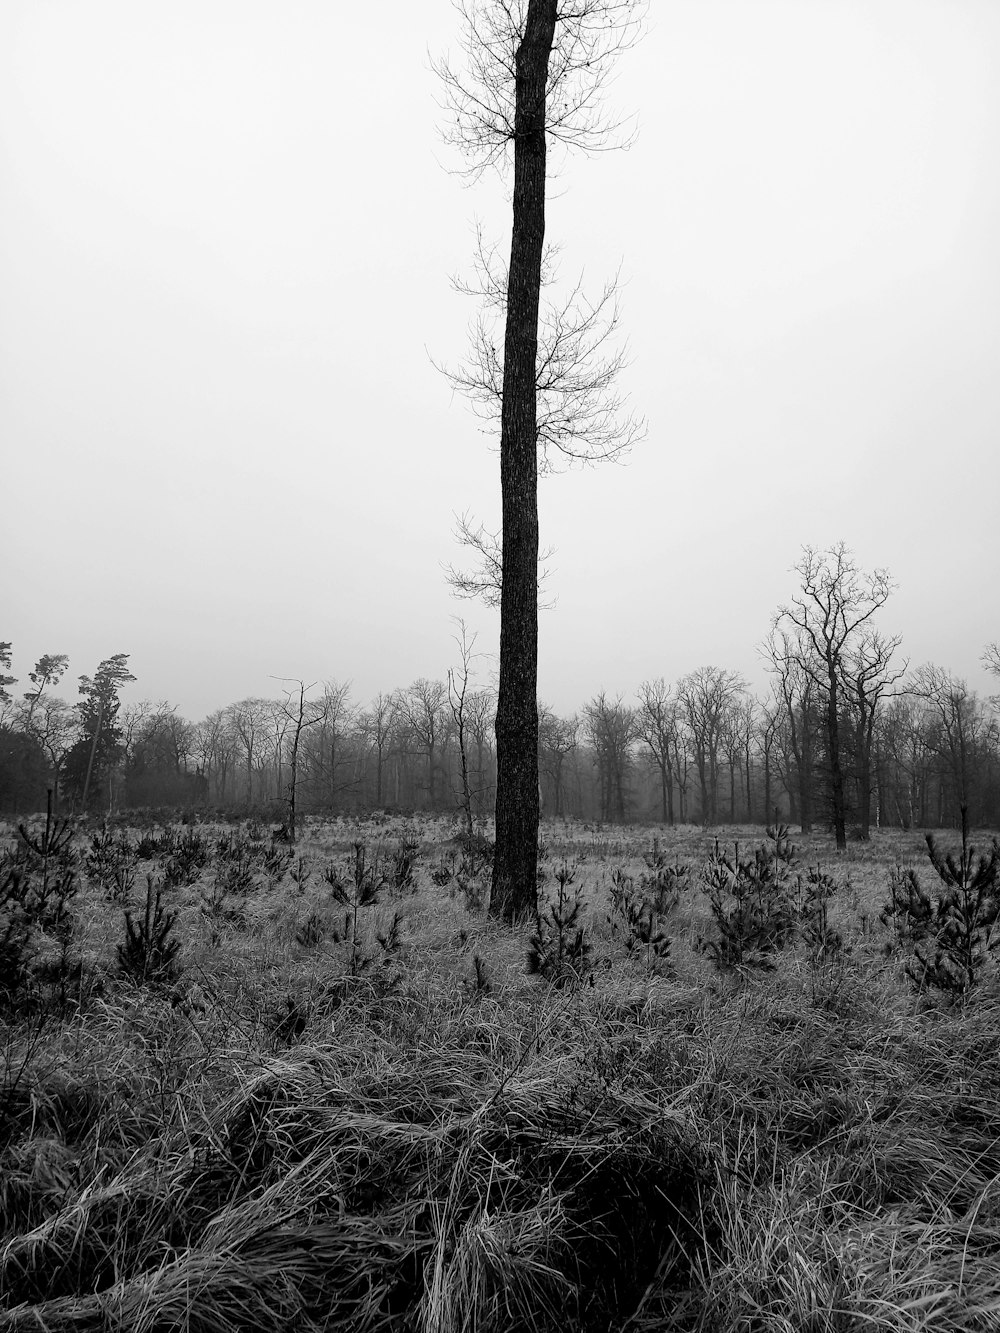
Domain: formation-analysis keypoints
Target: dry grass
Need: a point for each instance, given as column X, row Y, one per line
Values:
column 812, row 1149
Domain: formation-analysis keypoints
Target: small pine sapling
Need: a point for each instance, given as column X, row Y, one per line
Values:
column 967, row 913
column 54, row 842
column 910, row 911
column 665, row 882
column 275, row 861
column 472, row 874
column 311, row 932
column 50, row 880
column 361, row 889
column 390, row 940
column 821, row 940
column 188, row 857
column 559, row 950
column 639, row 918
column 444, row 872
column 38, row 882
column 300, row 874
column 402, row 862
column 111, row 862
column 750, row 900
column 149, row 953
column 234, row 873
column 15, row 937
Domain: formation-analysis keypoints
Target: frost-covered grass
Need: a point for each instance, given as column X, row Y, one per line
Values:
column 430, row 1139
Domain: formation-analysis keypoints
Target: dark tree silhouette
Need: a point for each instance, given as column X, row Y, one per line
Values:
column 533, row 71
column 830, row 619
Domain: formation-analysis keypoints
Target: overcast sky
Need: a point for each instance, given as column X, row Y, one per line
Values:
column 227, row 229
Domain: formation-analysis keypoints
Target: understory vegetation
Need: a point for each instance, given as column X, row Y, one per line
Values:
column 720, row 1082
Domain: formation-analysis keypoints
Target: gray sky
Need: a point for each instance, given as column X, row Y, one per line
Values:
column 226, row 236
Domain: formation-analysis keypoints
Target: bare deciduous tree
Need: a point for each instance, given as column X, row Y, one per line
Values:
column 458, row 697
column 337, row 712
column 656, row 727
column 215, row 744
column 795, row 696
column 557, row 739
column 300, row 714
column 868, row 680
column 251, row 723
column 958, row 730
column 830, row 618
column 422, row 709
column 376, row 725
column 533, row 71
column 611, row 727
column 706, row 696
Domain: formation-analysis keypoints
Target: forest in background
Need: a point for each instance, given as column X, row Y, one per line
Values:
column 847, row 735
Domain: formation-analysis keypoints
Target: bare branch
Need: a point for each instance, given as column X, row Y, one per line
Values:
column 484, row 581
column 478, row 95
column 582, row 415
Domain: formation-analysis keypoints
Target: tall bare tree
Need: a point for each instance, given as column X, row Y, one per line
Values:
column 250, row 720
column 458, row 702
column 557, row 739
column 706, row 697
column 337, row 712
column 961, row 733
column 869, row 677
column 481, row 710
column 795, row 694
column 376, row 725
column 611, row 727
column 216, row 745
column 656, row 726
column 829, row 619
column 423, row 710
column 533, row 71
column 768, row 724
column 300, row 714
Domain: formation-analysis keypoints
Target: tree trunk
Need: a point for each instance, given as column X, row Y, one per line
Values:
column 866, row 745
column 516, row 859
column 838, row 800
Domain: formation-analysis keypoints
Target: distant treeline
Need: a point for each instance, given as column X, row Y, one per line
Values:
column 702, row 749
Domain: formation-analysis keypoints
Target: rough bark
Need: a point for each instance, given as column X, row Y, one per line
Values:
column 515, row 862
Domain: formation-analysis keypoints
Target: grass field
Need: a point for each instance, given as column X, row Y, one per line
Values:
column 345, row 1103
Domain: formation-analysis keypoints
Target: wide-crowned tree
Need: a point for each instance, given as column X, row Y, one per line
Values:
column 828, row 637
